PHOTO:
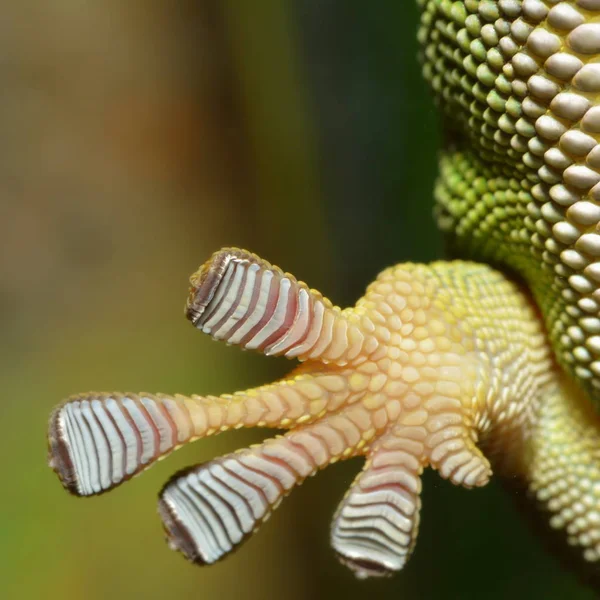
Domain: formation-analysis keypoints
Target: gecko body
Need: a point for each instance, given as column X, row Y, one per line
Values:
column 487, row 364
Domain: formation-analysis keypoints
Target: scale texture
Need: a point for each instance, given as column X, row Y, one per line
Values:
column 490, row 363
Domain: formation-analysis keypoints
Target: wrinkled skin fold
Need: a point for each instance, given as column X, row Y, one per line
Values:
column 452, row 365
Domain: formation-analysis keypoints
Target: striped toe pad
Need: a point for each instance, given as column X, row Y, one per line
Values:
column 241, row 299
column 376, row 525
column 97, row 441
column 208, row 511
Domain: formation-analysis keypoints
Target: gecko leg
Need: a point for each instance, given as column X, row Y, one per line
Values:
column 431, row 362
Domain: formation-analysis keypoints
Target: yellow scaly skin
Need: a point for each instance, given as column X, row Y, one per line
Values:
column 446, row 365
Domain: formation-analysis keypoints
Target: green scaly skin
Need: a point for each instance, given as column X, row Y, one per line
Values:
column 518, row 86
column 514, row 189
column 459, row 366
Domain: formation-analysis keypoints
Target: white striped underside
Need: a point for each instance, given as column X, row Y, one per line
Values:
column 211, row 509
column 110, row 439
column 263, row 310
column 376, row 524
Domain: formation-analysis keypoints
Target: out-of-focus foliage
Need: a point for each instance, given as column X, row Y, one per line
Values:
column 138, row 137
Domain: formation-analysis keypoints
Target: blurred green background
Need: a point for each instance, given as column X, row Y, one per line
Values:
column 140, row 136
